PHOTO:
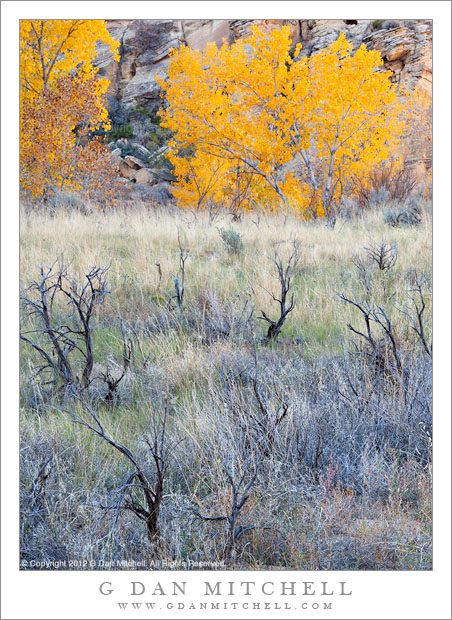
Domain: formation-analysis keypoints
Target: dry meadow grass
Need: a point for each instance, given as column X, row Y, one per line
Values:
column 341, row 479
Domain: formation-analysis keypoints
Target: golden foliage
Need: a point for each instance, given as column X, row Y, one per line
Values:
column 53, row 48
column 255, row 124
column 62, row 102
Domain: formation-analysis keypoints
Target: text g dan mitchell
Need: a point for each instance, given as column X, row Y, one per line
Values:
column 147, row 595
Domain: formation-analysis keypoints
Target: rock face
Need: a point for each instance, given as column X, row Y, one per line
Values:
column 320, row 33
column 124, row 170
column 144, row 54
column 198, row 32
column 144, row 176
column 133, row 162
column 116, row 158
column 145, row 48
column 406, row 47
column 407, row 51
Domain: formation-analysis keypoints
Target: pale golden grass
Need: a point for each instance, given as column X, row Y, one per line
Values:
column 132, row 242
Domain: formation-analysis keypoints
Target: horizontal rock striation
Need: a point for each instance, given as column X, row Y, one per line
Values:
column 406, row 47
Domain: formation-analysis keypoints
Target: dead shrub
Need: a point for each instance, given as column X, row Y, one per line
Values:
column 383, row 184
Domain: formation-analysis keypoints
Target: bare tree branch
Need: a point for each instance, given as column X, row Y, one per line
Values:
column 284, row 273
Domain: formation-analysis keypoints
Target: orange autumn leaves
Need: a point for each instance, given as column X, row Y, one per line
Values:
column 62, row 101
column 253, row 124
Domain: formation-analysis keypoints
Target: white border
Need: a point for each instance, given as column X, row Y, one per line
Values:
column 376, row 594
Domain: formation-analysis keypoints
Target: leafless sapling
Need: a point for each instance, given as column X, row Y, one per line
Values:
column 383, row 254
column 284, row 274
column 179, row 281
column 159, row 271
column 111, row 381
column 239, row 470
column 378, row 347
column 142, row 492
column 416, row 312
column 364, row 276
column 55, row 340
column 258, row 423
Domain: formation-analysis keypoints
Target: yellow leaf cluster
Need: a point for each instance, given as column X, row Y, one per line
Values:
column 251, row 122
column 53, row 48
column 62, row 102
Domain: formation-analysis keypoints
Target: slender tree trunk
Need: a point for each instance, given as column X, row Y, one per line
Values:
column 153, row 531
column 278, row 190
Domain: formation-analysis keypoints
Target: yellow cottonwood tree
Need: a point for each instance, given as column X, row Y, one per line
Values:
column 300, row 127
column 62, row 101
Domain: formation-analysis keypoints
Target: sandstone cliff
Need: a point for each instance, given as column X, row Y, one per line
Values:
column 406, row 47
